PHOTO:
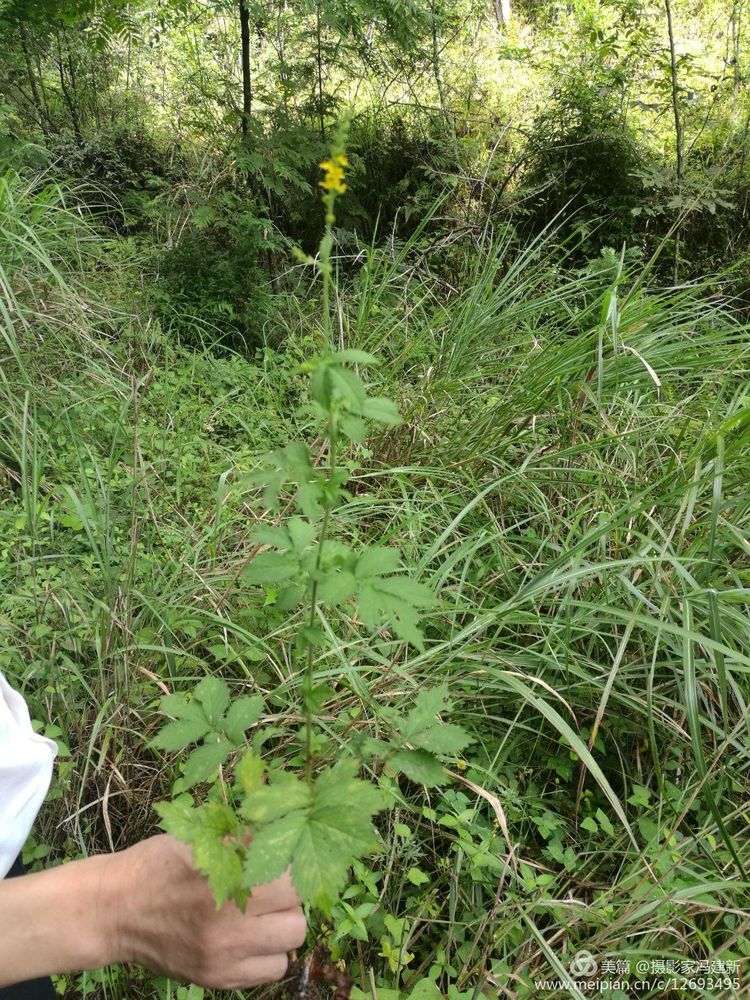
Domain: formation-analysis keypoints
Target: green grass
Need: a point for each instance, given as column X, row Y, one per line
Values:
column 571, row 477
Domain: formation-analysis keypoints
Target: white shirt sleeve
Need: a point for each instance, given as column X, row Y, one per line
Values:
column 26, row 760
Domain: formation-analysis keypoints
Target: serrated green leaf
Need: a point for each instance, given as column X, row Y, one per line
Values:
column 419, row 766
column 348, row 386
column 335, row 587
column 350, row 355
column 405, row 627
column 249, row 772
column 368, row 606
column 216, row 856
column 321, row 386
column 407, row 590
column 289, row 597
column 178, row 819
column 428, row 704
column 267, row 534
column 445, row 739
column 203, row 763
column 270, row 851
column 318, row 870
column 338, row 831
column 177, row 735
column 301, row 533
column 377, row 560
column 179, row 707
column 271, row 568
column 243, row 713
column 382, row 410
column 213, row 694
column 353, row 428
column 417, row 877
column 275, row 800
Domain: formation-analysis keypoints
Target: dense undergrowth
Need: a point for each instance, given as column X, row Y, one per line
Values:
column 570, row 478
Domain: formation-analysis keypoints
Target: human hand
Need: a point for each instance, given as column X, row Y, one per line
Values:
column 167, row 920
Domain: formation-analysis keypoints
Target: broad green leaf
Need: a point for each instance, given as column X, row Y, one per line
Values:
column 348, row 387
column 319, row 870
column 216, row 856
column 321, row 386
column 419, row 766
column 428, row 704
column 275, row 800
column 267, row 534
column 382, row 410
column 271, row 849
column 443, row 738
column 353, row 428
column 243, row 713
column 338, row 830
column 271, row 567
column 213, row 694
column 178, row 819
column 407, row 590
column 179, row 707
column 249, row 772
column 203, row 763
column 377, row 560
column 301, row 533
column 335, row 587
column 417, row 877
column 427, row 989
column 289, row 597
column 177, row 735
column 405, row 627
column 605, row 823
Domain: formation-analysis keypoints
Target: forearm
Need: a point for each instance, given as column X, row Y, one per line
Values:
column 57, row 921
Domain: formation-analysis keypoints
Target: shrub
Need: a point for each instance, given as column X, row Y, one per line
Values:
column 584, row 156
column 211, row 283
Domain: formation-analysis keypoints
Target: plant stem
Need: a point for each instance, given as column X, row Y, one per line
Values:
column 308, row 683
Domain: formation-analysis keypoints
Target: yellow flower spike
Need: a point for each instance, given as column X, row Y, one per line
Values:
column 334, row 174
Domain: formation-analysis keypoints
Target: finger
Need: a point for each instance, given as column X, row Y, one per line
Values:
column 270, row 933
column 264, row 969
column 276, row 895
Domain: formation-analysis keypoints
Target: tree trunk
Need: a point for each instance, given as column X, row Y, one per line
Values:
column 247, row 84
column 67, row 98
column 436, row 59
column 319, row 58
column 35, row 94
column 678, row 133
column 502, row 11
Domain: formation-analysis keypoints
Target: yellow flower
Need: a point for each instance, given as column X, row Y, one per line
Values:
column 334, row 173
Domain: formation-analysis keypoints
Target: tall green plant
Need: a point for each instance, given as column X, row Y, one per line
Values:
column 319, row 821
